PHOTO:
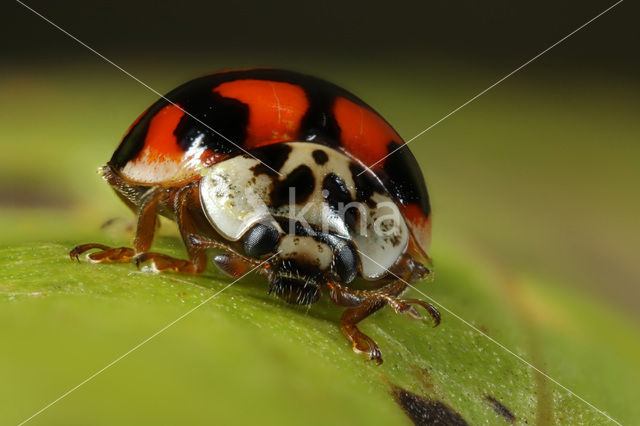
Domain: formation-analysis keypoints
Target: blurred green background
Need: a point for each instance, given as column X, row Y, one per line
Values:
column 534, row 188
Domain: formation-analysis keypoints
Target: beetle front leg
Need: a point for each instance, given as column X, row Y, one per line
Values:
column 147, row 217
column 363, row 303
column 360, row 341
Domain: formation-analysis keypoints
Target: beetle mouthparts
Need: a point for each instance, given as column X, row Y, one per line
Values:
column 295, row 290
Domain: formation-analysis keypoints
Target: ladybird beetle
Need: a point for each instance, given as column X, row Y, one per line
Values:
column 265, row 165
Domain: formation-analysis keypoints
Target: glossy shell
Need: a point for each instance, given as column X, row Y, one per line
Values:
column 216, row 115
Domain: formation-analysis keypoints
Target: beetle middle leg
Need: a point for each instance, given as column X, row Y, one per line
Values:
column 197, row 263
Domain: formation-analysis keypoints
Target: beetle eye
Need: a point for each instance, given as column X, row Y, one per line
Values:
column 261, row 239
column 345, row 264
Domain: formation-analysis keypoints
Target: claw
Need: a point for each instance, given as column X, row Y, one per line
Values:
column 78, row 250
column 411, row 311
column 363, row 344
column 139, row 260
column 435, row 314
column 375, row 355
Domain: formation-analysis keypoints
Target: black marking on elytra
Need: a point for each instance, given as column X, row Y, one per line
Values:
column 405, row 179
column 272, row 157
column 318, row 124
column 320, row 157
column 299, row 183
column 499, row 408
column 424, row 411
column 337, row 196
column 228, row 117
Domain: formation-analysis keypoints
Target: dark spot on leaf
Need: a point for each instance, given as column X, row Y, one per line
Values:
column 425, row 377
column 483, row 328
column 501, row 409
column 424, row 411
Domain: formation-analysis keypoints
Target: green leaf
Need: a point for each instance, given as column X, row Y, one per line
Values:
column 246, row 357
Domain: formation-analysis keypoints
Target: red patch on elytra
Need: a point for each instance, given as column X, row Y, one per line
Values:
column 275, row 109
column 160, row 143
column 363, row 133
column 419, row 225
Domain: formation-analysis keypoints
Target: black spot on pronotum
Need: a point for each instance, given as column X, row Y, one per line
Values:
column 499, row 408
column 336, row 191
column 298, row 186
column 338, row 197
column 272, row 157
column 423, row 411
column 320, row 157
column 366, row 184
column 405, row 179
